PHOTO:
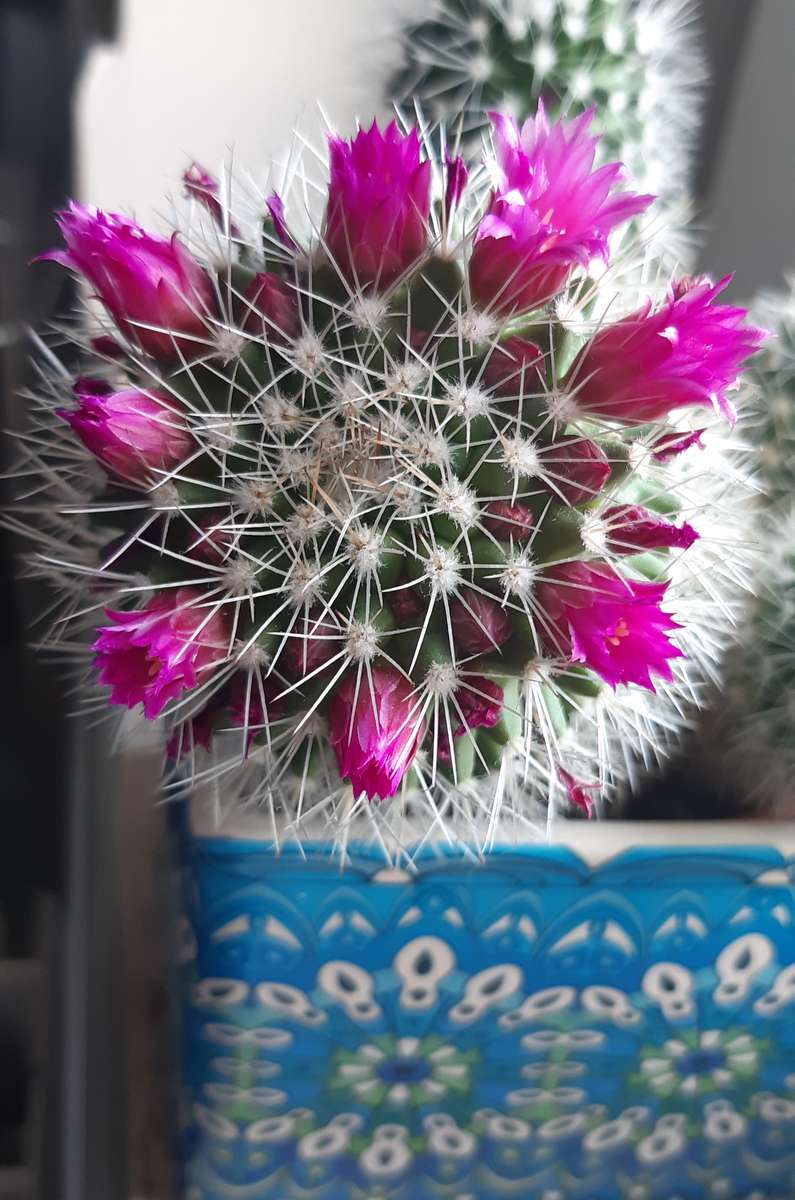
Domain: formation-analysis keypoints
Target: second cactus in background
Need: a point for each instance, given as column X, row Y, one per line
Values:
column 638, row 61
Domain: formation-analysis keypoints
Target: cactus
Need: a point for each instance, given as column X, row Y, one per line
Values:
column 637, row 61
column 757, row 721
column 773, row 373
column 394, row 535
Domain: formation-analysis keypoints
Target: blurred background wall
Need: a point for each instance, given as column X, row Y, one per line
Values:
column 195, row 78
column 750, row 202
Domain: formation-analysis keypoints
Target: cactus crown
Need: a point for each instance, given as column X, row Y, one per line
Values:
column 392, row 508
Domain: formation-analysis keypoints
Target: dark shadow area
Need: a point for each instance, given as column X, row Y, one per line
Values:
column 42, row 45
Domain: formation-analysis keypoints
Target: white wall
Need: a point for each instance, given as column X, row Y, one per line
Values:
column 192, row 78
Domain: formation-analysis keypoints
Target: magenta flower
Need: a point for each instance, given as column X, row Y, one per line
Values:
column 479, row 623
column 190, row 735
column 153, row 654
column 214, row 542
column 374, row 734
column 687, row 351
column 270, row 308
column 549, row 212
column 312, row 642
column 613, row 625
column 275, row 206
column 378, row 205
column 456, row 176
column 406, row 608
column 203, row 187
column 577, row 791
column 157, row 294
column 480, row 701
column 515, row 368
column 577, row 470
column 253, row 708
column 671, row 444
column 107, row 347
column 630, row 528
column 136, row 435
column 508, row 522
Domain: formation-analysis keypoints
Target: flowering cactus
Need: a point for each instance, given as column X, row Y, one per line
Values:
column 636, row 61
column 375, row 542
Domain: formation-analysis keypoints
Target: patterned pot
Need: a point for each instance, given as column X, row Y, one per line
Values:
column 612, row 1019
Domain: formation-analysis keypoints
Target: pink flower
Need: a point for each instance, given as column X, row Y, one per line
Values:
column 671, row 444
column 312, row 642
column 549, row 212
column 253, row 707
column 479, row 623
column 577, row 468
column 270, row 308
column 275, row 206
column 480, row 701
column 213, row 543
column 687, row 351
column 630, row 528
column 203, row 187
column 613, row 625
column 456, row 176
column 515, row 368
column 405, row 606
column 378, row 205
column 198, row 731
column 153, row 654
column 144, row 281
column 136, row 435
column 508, row 522
column 374, row 735
column 577, row 791
column 107, row 347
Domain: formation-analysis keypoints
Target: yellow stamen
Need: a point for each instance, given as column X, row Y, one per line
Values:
column 621, row 631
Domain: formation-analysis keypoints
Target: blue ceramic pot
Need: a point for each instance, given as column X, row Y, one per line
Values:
column 534, row 1026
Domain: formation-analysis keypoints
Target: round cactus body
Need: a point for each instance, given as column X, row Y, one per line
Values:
column 415, row 511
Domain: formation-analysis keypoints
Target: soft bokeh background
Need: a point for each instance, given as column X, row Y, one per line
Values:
column 195, row 78
column 108, row 101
